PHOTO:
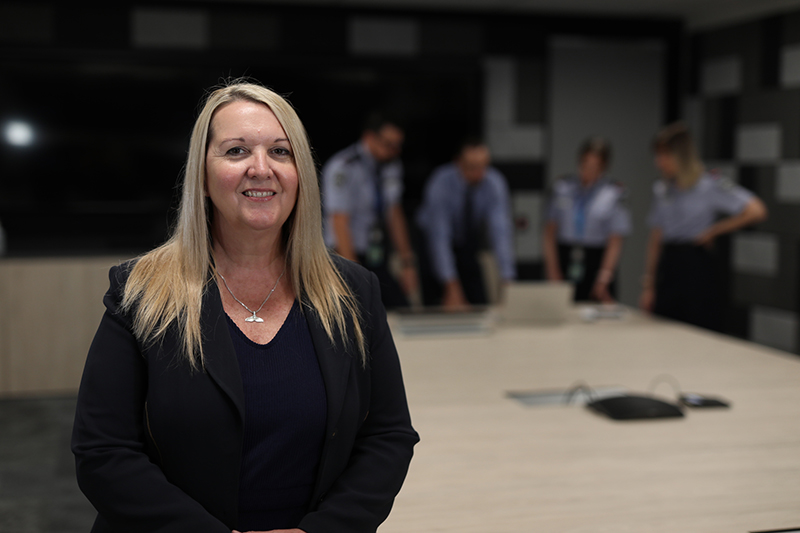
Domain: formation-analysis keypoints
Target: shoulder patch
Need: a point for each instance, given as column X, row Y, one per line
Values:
column 340, row 179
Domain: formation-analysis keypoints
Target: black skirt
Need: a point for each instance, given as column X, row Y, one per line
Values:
column 688, row 286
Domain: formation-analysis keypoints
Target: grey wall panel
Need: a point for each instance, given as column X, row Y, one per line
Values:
column 389, row 36
column 743, row 41
column 245, row 30
column 790, row 66
column 721, row 76
column 778, row 106
column 778, row 290
column 451, row 38
column 509, row 140
column 169, row 28
column 759, row 142
column 527, row 209
column 787, row 185
column 774, row 327
column 790, row 28
column 27, row 23
column 531, row 87
column 719, row 127
column 756, row 253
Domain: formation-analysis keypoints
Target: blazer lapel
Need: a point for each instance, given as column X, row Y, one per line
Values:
column 220, row 357
column 334, row 363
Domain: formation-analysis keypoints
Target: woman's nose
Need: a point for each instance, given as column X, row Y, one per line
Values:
column 259, row 166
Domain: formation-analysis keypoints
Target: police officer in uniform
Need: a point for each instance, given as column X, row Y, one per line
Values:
column 681, row 280
column 362, row 187
column 586, row 223
column 463, row 201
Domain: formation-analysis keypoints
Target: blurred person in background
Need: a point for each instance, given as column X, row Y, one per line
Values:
column 586, row 223
column 243, row 378
column 681, row 279
column 462, row 202
column 362, row 189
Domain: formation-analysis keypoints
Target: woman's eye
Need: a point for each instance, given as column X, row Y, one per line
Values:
column 237, row 150
column 280, row 151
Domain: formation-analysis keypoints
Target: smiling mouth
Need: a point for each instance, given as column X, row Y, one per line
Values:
column 259, row 194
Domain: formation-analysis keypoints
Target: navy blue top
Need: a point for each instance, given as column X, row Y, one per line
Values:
column 285, row 413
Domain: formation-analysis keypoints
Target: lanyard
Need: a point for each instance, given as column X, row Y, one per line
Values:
column 580, row 214
column 378, row 191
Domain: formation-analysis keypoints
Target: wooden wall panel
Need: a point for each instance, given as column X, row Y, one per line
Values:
column 49, row 311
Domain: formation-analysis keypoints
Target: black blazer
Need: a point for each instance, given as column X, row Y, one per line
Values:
column 158, row 446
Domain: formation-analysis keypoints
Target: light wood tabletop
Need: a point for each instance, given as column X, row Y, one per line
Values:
column 487, row 462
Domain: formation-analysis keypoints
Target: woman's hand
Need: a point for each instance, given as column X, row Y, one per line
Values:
column 600, row 292
column 554, row 274
column 409, row 280
column 706, row 239
column 453, row 298
column 753, row 212
column 600, row 287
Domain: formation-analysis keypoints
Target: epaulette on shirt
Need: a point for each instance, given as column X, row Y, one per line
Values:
column 340, row 177
column 561, row 183
column 660, row 188
column 622, row 191
column 721, row 180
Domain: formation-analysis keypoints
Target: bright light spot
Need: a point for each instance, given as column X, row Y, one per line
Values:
column 19, row 133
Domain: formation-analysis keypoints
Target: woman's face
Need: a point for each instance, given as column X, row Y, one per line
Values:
column 591, row 167
column 667, row 164
column 251, row 177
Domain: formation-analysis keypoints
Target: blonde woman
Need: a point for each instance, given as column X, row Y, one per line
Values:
column 681, row 279
column 242, row 379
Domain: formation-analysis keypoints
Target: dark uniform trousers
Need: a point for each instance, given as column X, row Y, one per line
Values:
column 688, row 286
column 592, row 261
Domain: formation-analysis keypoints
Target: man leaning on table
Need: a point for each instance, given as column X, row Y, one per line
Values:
column 464, row 200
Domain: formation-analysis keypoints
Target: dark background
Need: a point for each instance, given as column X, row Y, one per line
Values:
column 113, row 121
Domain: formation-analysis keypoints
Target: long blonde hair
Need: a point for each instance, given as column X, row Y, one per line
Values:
column 166, row 285
column 676, row 140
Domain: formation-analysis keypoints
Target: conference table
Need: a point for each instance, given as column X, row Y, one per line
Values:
column 489, row 462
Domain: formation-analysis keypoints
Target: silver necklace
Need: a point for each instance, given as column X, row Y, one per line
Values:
column 254, row 318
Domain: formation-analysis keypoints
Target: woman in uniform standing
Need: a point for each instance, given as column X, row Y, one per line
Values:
column 586, row 223
column 681, row 280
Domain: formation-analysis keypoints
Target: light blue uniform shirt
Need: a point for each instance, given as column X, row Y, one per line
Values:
column 442, row 212
column 349, row 187
column 682, row 215
column 588, row 217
